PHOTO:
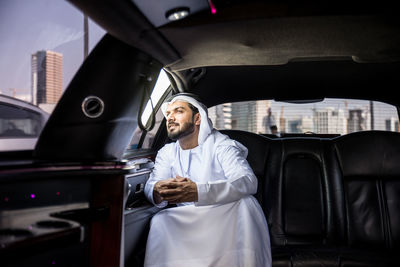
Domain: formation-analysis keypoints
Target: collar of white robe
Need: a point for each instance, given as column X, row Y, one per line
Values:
column 206, row 125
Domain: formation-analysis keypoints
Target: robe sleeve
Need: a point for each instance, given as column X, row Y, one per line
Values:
column 240, row 179
column 161, row 171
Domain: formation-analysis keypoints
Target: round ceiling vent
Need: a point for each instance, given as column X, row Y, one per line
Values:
column 92, row 106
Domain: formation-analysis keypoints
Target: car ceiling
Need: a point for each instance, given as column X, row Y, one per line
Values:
column 257, row 45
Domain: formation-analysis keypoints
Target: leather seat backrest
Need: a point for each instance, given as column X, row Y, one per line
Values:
column 292, row 186
column 370, row 167
column 298, row 196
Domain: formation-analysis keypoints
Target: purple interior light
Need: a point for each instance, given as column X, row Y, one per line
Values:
column 212, row 7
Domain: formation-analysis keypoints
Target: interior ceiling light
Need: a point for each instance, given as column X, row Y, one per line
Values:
column 177, row 13
column 212, row 7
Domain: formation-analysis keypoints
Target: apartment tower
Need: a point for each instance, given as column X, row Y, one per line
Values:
column 46, row 77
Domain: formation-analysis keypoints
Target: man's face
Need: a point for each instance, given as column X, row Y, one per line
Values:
column 180, row 121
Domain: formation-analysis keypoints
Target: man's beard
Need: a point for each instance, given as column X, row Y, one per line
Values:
column 188, row 128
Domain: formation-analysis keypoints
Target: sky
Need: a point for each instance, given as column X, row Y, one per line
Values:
column 27, row 26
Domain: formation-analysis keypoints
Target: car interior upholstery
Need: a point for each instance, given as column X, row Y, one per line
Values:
column 323, row 206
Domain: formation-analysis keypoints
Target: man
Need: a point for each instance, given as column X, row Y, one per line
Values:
column 269, row 122
column 217, row 221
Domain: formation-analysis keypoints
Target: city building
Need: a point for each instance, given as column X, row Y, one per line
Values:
column 249, row 116
column 221, row 116
column 46, row 77
column 392, row 124
column 244, row 116
column 356, row 121
column 330, row 120
column 298, row 124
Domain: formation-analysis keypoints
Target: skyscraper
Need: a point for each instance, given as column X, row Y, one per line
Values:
column 220, row 115
column 46, row 77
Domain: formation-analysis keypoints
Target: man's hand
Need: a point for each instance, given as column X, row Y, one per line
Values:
column 175, row 190
column 158, row 187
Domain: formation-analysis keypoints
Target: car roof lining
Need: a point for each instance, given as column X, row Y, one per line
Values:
column 297, row 81
column 276, row 41
column 255, row 32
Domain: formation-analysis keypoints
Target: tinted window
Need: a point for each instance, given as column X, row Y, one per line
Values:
column 17, row 122
column 330, row 116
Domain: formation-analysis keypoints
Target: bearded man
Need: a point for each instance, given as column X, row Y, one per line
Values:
column 217, row 221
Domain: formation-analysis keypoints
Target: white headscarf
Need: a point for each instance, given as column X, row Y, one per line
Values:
column 206, row 125
column 209, row 139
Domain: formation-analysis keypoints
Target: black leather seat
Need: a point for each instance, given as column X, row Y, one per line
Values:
column 369, row 197
column 329, row 202
column 258, row 147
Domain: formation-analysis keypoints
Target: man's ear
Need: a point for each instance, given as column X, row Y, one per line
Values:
column 197, row 119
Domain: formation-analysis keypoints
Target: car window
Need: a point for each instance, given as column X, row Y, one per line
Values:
column 159, row 89
column 20, row 124
column 144, row 139
column 16, row 122
column 330, row 116
column 42, row 46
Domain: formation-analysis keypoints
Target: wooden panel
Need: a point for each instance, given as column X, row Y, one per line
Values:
column 106, row 244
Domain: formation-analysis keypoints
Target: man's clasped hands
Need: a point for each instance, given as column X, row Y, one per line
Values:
column 175, row 190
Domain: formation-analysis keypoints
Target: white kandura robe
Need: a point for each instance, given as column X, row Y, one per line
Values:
column 226, row 227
